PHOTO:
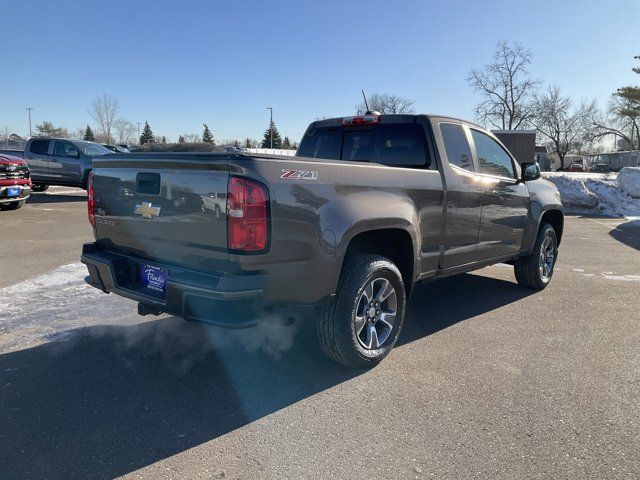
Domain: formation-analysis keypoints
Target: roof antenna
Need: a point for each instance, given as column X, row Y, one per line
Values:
column 366, row 104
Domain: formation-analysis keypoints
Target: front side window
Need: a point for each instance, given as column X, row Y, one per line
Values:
column 65, row 149
column 93, row 149
column 456, row 146
column 492, row 158
column 40, row 147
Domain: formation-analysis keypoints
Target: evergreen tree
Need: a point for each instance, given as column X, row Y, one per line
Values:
column 207, row 136
column 164, row 139
column 88, row 135
column 248, row 143
column 277, row 141
column 181, row 139
column 147, row 135
column 286, row 143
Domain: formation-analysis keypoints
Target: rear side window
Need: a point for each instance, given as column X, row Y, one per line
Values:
column 41, row 147
column 322, row 143
column 400, row 144
column 456, row 146
column 492, row 158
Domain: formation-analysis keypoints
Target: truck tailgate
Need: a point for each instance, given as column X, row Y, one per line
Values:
column 170, row 209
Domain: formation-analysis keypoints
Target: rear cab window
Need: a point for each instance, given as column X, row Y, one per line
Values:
column 456, row 146
column 39, row 147
column 392, row 144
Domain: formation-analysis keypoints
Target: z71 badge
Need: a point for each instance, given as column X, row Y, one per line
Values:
column 299, row 174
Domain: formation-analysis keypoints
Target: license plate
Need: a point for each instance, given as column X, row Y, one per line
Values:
column 154, row 280
column 13, row 192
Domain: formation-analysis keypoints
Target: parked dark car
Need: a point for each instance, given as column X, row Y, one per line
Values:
column 575, row 167
column 370, row 206
column 601, row 168
column 59, row 161
column 15, row 184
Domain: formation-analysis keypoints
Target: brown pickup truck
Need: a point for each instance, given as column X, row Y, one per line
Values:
column 368, row 207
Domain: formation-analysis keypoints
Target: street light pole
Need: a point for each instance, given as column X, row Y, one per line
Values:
column 29, row 109
column 271, row 125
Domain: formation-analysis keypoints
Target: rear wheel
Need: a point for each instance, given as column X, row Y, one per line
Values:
column 362, row 325
column 12, row 205
column 535, row 270
column 38, row 187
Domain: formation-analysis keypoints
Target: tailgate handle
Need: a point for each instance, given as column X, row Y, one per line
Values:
column 148, row 183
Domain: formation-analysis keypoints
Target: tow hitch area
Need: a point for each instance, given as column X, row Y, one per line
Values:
column 147, row 310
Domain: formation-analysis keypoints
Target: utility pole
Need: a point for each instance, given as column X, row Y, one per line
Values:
column 138, row 123
column 29, row 109
column 271, row 125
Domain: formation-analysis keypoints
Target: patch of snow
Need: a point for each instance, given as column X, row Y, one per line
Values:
column 598, row 194
column 629, row 181
column 41, row 308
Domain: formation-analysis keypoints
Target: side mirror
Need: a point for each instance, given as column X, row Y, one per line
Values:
column 530, row 171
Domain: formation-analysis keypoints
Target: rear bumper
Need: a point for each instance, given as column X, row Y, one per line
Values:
column 225, row 300
column 25, row 192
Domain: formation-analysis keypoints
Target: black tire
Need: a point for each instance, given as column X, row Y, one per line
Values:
column 12, row 205
column 38, row 187
column 529, row 270
column 337, row 323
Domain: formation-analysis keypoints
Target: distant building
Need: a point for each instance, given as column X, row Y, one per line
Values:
column 615, row 160
column 521, row 143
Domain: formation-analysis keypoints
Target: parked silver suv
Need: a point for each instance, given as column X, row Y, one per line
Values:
column 56, row 161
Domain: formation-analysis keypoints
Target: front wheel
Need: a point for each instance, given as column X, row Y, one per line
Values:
column 12, row 205
column 38, row 187
column 362, row 325
column 535, row 270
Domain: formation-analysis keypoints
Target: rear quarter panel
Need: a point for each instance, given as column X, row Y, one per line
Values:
column 313, row 221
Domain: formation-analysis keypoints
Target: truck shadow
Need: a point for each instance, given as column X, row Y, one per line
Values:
column 106, row 400
column 628, row 233
column 56, row 198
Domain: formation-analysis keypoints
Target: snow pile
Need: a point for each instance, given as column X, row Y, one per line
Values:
column 574, row 192
column 629, row 181
column 604, row 195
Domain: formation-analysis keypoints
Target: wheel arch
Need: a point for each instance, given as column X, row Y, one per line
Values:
column 396, row 244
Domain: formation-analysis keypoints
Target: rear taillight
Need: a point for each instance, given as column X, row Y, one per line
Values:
column 90, row 200
column 247, row 215
column 363, row 120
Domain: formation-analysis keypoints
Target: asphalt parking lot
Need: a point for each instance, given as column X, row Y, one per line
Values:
column 488, row 381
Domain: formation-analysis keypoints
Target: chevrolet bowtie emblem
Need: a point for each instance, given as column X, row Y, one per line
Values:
column 147, row 210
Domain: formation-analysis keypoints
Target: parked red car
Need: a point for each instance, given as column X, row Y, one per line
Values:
column 15, row 182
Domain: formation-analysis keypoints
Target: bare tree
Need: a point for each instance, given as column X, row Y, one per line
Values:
column 623, row 119
column 386, row 104
column 124, row 129
column 505, row 88
column 104, row 110
column 565, row 127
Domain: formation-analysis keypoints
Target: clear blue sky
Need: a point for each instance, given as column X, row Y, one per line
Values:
column 180, row 64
